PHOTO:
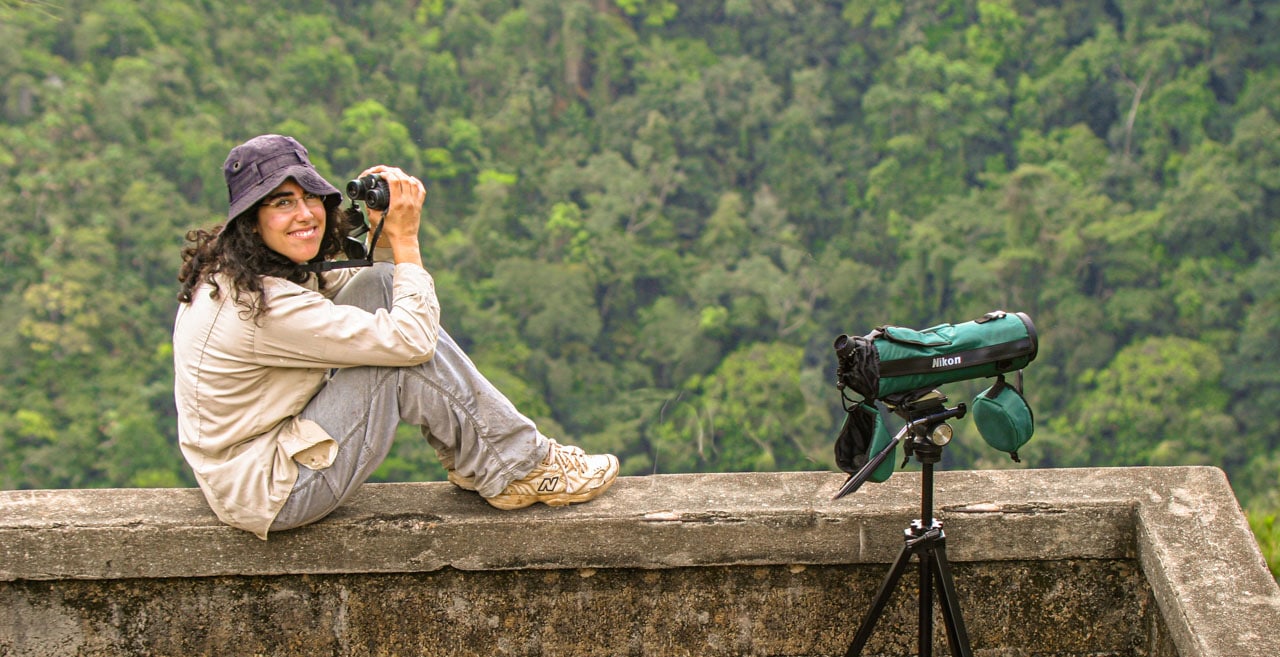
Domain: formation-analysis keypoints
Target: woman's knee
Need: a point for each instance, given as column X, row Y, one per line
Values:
column 370, row 289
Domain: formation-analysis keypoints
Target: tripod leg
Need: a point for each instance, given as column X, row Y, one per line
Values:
column 925, row 627
column 957, row 637
column 887, row 587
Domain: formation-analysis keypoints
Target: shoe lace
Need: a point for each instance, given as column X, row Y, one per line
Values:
column 569, row 460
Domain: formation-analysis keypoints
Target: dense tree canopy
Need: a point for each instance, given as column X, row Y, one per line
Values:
column 648, row 219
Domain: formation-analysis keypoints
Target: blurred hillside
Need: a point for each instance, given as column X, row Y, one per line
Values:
column 648, row 220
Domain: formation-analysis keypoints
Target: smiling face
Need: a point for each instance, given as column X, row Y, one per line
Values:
column 291, row 221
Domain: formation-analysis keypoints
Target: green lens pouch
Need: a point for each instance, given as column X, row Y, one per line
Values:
column 880, row 439
column 1003, row 417
column 861, row 439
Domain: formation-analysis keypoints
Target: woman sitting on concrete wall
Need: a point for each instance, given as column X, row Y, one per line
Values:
column 290, row 379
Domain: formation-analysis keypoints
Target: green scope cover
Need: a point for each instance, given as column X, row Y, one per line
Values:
column 896, row 359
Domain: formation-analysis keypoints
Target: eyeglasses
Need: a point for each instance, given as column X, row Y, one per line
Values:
column 285, row 204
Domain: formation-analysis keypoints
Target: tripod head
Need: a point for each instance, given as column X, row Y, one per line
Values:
column 926, row 415
column 925, row 434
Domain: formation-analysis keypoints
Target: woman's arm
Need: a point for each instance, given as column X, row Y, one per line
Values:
column 305, row 329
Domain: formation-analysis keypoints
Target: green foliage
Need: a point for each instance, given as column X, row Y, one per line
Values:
column 752, row 414
column 1158, row 402
column 1267, row 530
column 648, row 219
column 654, row 12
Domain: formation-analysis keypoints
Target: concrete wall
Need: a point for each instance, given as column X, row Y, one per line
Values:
column 1144, row 562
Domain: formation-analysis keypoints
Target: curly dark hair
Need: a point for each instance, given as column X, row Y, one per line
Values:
column 237, row 250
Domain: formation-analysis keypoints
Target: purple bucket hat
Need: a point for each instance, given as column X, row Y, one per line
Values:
column 259, row 165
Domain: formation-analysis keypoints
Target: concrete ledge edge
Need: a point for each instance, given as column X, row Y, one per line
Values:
column 1182, row 525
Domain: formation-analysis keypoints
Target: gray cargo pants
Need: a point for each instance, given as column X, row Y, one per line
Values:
column 466, row 419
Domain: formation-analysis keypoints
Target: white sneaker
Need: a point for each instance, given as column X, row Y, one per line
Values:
column 469, row 483
column 461, row 481
column 566, row 475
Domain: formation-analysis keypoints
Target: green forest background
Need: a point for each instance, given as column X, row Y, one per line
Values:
column 648, row 220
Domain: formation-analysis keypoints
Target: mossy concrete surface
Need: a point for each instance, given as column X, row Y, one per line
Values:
column 1125, row 561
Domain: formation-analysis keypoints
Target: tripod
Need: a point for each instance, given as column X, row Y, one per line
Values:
column 928, row 432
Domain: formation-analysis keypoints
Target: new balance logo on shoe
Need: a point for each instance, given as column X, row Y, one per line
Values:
column 548, row 484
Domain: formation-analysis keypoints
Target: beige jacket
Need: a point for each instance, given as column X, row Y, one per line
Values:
column 239, row 385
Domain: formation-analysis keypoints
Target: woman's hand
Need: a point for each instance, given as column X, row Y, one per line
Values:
column 401, row 219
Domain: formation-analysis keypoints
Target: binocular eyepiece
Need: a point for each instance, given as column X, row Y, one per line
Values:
column 372, row 190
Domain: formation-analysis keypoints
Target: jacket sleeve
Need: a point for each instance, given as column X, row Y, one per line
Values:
column 306, row 329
